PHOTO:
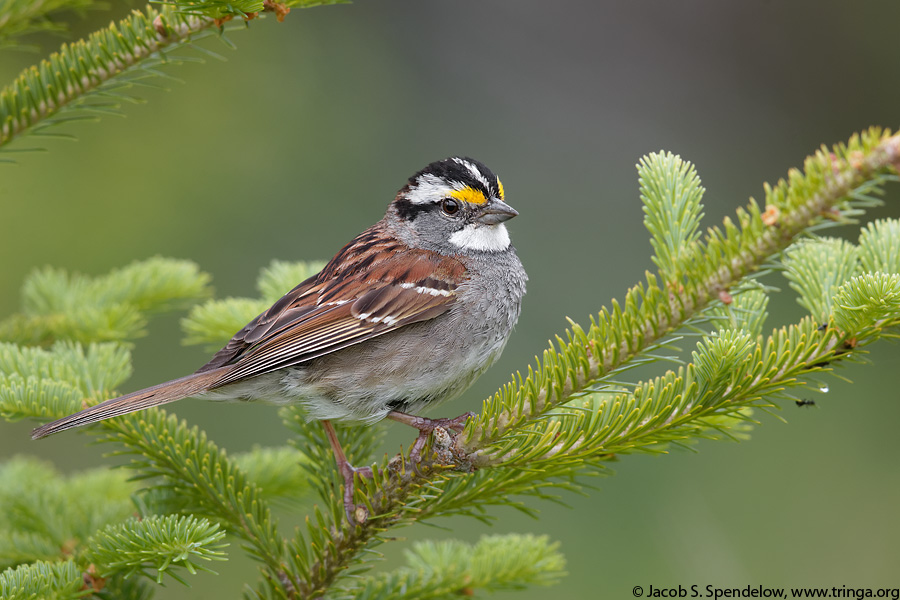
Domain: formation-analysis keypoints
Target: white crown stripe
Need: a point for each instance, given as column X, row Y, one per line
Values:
column 476, row 173
column 428, row 187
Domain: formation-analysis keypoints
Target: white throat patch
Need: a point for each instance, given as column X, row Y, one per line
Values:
column 488, row 238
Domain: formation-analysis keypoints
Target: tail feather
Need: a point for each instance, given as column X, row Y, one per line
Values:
column 139, row 400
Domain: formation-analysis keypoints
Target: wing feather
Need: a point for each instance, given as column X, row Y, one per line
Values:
column 343, row 305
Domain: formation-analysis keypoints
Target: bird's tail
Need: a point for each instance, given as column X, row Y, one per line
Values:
column 151, row 396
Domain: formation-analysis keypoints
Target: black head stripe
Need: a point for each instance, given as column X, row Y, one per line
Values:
column 451, row 169
column 408, row 211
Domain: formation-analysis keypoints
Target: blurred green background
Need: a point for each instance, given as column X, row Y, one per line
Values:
column 302, row 136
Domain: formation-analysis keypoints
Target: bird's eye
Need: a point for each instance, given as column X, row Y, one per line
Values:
column 449, row 206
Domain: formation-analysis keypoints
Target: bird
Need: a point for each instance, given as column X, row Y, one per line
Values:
column 406, row 315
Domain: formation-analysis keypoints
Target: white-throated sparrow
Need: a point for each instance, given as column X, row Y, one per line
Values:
column 405, row 316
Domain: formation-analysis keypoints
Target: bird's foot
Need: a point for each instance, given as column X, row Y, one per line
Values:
column 427, row 427
column 356, row 513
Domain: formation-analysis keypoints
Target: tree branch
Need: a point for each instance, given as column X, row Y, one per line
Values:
column 800, row 203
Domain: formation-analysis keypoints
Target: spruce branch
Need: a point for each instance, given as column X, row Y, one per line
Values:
column 226, row 9
column 35, row 382
column 747, row 310
column 114, row 307
column 41, row 579
column 34, row 397
column 865, row 305
column 855, row 170
column 278, row 473
column 879, row 245
column 79, row 71
column 816, row 268
column 46, row 516
column 451, row 568
column 86, row 519
column 187, row 464
column 157, row 543
column 88, row 77
column 22, row 17
column 535, row 427
column 671, row 192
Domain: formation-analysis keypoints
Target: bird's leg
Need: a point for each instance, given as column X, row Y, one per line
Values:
column 355, row 513
column 425, row 427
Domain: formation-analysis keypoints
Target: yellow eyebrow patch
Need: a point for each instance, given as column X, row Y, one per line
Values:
column 470, row 195
column 500, row 188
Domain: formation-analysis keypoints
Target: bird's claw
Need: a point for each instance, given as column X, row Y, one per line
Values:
column 426, row 428
column 356, row 513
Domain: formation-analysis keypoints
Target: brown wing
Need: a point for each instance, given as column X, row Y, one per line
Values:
column 290, row 307
column 370, row 288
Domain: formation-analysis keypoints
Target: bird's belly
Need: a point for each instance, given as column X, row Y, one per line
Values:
column 365, row 382
column 410, row 374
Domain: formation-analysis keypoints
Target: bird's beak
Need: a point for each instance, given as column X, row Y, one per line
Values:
column 495, row 212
